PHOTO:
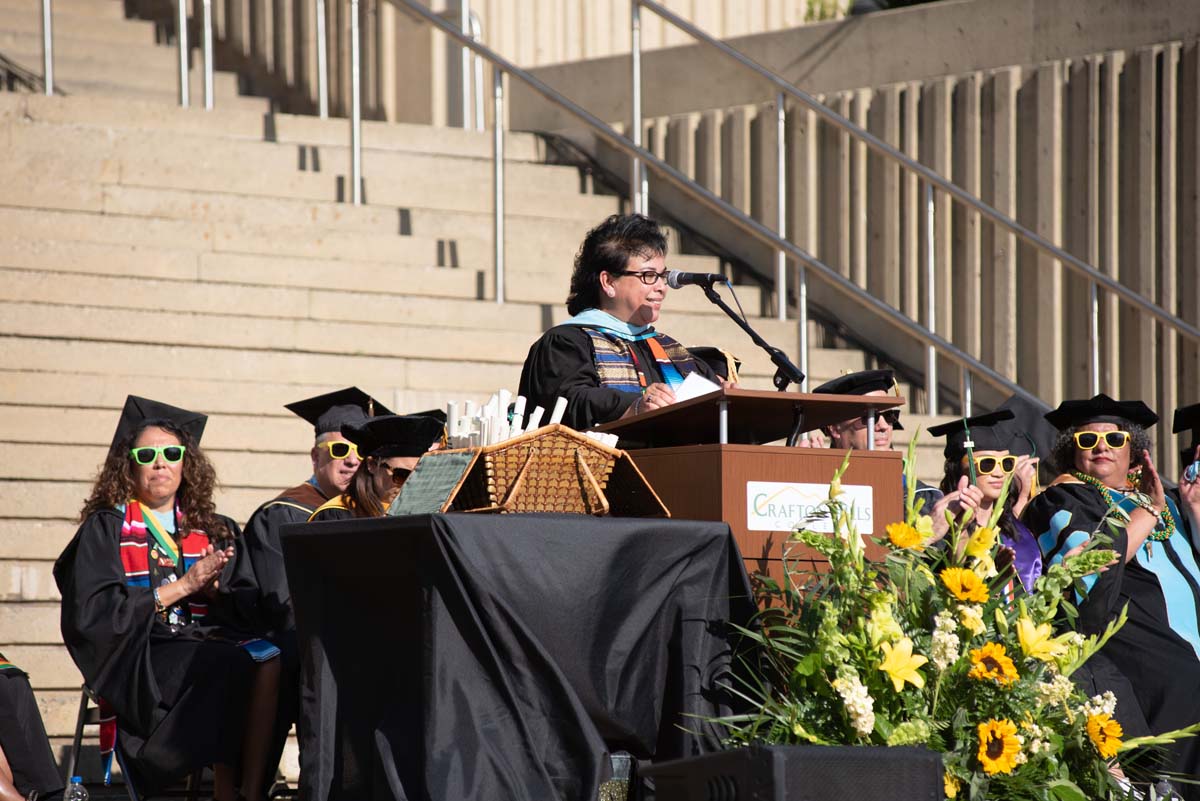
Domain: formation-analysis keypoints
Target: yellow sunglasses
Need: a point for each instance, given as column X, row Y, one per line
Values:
column 1086, row 440
column 339, row 449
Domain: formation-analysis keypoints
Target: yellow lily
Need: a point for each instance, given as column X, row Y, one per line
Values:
column 901, row 664
column 1037, row 642
column 981, row 542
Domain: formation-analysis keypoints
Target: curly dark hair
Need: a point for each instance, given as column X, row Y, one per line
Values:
column 1063, row 454
column 364, row 500
column 114, row 484
column 607, row 248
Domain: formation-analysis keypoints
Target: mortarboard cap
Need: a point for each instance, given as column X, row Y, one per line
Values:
column 861, row 383
column 140, row 411
column 985, row 432
column 1031, row 434
column 1100, row 409
column 329, row 412
column 1187, row 419
column 395, row 435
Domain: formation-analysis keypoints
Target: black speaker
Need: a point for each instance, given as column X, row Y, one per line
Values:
column 800, row 773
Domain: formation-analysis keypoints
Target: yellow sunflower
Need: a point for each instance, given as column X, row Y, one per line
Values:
column 1105, row 734
column 902, row 535
column 964, row 584
column 992, row 662
column 998, row 746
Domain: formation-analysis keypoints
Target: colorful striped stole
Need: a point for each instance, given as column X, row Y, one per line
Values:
column 617, row 368
column 140, row 535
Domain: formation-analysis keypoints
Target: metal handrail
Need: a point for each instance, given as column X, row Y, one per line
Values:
column 931, row 176
column 707, row 198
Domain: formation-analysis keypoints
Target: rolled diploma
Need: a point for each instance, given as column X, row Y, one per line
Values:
column 535, row 419
column 560, row 408
column 518, row 416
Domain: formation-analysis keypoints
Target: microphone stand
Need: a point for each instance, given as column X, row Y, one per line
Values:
column 786, row 372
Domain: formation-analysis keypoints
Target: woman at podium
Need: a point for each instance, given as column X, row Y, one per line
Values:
column 607, row 360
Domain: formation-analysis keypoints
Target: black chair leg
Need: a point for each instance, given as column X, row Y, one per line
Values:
column 73, row 759
column 130, row 790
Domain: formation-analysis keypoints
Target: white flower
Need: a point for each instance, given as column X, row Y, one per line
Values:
column 944, row 651
column 859, row 703
column 1105, row 704
column 1055, row 691
column 1037, row 739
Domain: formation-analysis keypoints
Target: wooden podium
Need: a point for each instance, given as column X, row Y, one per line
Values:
column 707, row 460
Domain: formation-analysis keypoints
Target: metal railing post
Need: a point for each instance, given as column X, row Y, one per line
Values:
column 208, row 55
column 477, row 36
column 355, row 106
column 464, row 25
column 931, row 385
column 636, row 176
column 182, row 36
column 781, row 204
column 322, row 65
column 1094, row 331
column 498, row 179
column 47, row 47
column 968, row 399
column 802, row 318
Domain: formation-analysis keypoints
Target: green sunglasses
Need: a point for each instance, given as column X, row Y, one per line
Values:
column 171, row 454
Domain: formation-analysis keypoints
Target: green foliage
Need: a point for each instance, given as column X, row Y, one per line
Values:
column 925, row 648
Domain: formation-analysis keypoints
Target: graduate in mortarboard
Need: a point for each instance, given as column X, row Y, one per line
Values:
column 978, row 464
column 334, row 460
column 1187, row 494
column 853, row 433
column 390, row 446
column 1107, row 473
column 155, row 597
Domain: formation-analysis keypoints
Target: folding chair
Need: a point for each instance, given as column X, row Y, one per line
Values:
column 92, row 712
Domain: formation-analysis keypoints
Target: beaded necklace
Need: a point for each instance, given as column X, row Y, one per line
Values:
column 1162, row 530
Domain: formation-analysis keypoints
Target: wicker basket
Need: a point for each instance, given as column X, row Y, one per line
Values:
column 552, row 469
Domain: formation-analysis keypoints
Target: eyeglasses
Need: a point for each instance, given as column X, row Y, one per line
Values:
column 987, row 464
column 171, row 454
column 1086, row 440
column 399, row 475
column 647, row 277
column 339, row 449
column 891, row 417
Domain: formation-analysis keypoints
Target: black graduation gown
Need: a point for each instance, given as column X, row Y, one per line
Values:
column 562, row 363
column 179, row 693
column 275, row 599
column 23, row 736
column 1161, row 667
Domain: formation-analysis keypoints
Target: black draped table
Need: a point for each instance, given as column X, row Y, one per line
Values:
column 476, row 656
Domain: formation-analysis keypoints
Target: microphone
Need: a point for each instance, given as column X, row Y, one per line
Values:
column 678, row 278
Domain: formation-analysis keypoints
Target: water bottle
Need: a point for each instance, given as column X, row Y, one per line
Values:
column 75, row 790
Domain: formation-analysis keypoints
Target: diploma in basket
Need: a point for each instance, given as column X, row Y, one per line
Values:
column 707, row 459
column 550, row 469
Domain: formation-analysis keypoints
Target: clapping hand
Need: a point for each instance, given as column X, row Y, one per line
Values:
column 203, row 575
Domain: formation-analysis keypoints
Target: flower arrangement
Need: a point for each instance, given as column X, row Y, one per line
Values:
column 937, row 646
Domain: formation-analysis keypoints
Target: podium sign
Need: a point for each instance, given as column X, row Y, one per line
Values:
column 731, row 483
column 763, row 492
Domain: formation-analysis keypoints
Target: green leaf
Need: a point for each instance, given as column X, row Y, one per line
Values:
column 1065, row 790
column 808, row 665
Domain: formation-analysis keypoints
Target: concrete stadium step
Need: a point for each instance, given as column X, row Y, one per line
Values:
column 151, row 69
column 79, row 26
column 34, row 539
column 169, row 362
column 239, row 166
column 247, row 465
column 48, row 666
column 221, row 123
column 101, row 9
column 30, row 623
column 27, row 580
column 63, row 500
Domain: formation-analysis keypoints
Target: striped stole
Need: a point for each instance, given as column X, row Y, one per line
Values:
column 617, row 370
column 136, row 544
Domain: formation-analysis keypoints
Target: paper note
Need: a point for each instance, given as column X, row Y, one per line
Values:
column 694, row 386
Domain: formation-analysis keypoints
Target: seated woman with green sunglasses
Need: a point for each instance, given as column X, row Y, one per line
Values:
column 1107, row 475
column 155, row 603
